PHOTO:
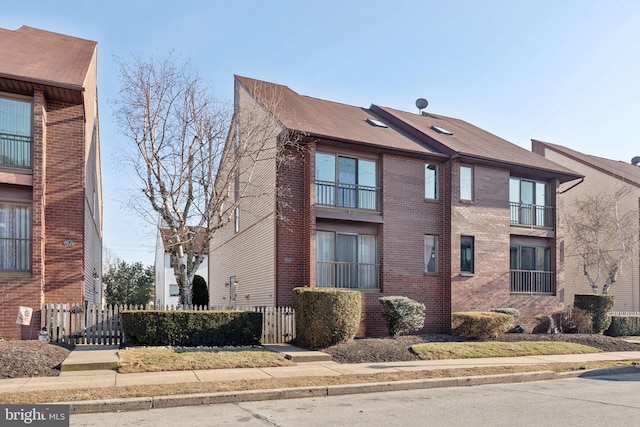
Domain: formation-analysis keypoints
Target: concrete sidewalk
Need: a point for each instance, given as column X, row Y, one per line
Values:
column 99, row 359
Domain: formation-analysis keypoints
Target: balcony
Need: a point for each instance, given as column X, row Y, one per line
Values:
column 531, row 282
column 15, row 151
column 531, row 215
column 346, row 275
column 347, row 196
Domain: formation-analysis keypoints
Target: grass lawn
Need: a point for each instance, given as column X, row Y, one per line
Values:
column 149, row 359
column 469, row 350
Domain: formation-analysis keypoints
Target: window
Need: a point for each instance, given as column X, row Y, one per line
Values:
column 466, row 182
column 346, row 260
column 173, row 291
column 15, row 133
column 430, row 253
column 466, row 254
column 346, row 182
column 530, row 269
column 528, row 201
column 15, row 237
column 430, row 181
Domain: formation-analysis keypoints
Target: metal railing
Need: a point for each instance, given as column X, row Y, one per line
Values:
column 346, row 275
column 531, row 282
column 15, row 151
column 350, row 196
column 534, row 215
column 15, row 255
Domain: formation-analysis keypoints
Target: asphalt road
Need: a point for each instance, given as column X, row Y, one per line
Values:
column 599, row 401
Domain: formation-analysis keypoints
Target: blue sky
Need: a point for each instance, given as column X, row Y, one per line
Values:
column 561, row 71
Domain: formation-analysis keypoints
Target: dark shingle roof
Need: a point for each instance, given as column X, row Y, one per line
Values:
column 621, row 170
column 39, row 56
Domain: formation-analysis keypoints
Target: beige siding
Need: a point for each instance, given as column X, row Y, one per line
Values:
column 626, row 289
column 249, row 254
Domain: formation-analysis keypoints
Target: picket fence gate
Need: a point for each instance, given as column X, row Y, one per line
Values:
column 100, row 325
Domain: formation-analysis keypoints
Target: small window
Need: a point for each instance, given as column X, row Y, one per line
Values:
column 466, row 254
column 430, row 181
column 441, row 130
column 173, row 290
column 430, row 253
column 377, row 123
column 466, row 182
column 236, row 219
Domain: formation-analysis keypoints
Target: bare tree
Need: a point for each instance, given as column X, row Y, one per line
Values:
column 191, row 151
column 603, row 235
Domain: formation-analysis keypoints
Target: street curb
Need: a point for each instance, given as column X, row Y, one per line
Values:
column 599, row 372
column 145, row 403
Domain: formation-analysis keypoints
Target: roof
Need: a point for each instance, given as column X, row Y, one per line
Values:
column 623, row 171
column 408, row 132
column 167, row 240
column 43, row 57
column 330, row 120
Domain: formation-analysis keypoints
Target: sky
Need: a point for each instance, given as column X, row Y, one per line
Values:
column 566, row 71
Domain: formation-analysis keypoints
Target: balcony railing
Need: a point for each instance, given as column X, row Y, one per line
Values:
column 346, row 275
column 533, row 215
column 349, row 196
column 15, row 151
column 531, row 282
column 15, row 255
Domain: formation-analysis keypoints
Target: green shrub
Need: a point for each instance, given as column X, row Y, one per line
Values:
column 325, row 317
column 572, row 321
column 200, row 292
column 545, row 325
column 598, row 307
column 402, row 314
column 480, row 325
column 622, row 326
column 191, row 328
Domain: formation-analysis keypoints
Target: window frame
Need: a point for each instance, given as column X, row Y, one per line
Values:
column 470, row 185
column 28, row 241
column 433, row 257
column 431, row 167
column 26, row 100
column 172, row 286
column 472, row 245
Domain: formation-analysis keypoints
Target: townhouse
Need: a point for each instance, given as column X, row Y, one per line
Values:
column 50, row 181
column 388, row 202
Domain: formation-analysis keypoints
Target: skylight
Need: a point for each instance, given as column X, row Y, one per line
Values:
column 376, row 123
column 441, row 130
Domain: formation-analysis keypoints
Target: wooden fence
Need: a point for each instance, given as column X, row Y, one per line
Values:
column 100, row 325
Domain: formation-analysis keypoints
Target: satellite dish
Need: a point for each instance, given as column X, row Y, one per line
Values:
column 421, row 103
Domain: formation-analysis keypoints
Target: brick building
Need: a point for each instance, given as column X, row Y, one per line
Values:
column 390, row 203
column 50, row 185
column 600, row 175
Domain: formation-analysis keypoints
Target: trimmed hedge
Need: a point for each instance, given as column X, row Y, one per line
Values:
column 598, row 307
column 192, row 328
column 402, row 314
column 572, row 321
column 622, row 326
column 325, row 317
column 480, row 325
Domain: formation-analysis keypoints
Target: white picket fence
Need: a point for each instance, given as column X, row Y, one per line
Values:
column 100, row 325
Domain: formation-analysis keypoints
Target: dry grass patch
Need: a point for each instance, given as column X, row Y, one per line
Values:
column 470, row 350
column 74, row 395
column 149, row 359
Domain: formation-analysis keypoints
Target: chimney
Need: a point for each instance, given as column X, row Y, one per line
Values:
column 635, row 161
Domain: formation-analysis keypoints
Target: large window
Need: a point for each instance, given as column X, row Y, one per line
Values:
column 466, row 254
column 430, row 181
column 530, row 269
column 466, row 182
column 346, row 260
column 15, row 133
column 15, row 237
column 346, row 182
column 528, row 201
column 430, row 253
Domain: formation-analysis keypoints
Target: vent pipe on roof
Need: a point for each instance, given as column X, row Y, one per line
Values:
column 635, row 161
